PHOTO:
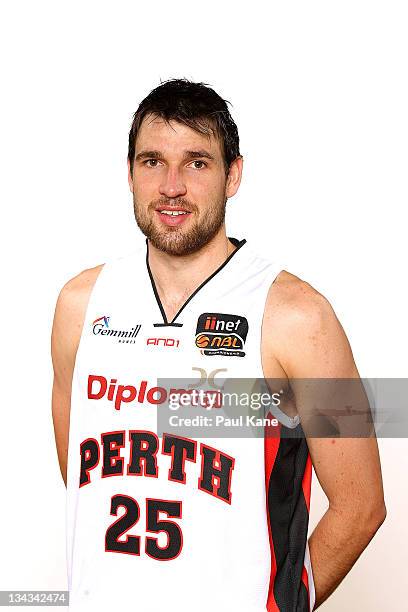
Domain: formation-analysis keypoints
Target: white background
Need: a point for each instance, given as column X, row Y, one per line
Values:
column 319, row 93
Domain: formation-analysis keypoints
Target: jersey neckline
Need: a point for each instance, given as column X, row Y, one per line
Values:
column 166, row 322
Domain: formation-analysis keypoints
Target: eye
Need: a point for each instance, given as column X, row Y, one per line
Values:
column 150, row 160
column 199, row 161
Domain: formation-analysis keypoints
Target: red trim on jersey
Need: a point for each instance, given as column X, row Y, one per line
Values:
column 305, row 580
column 307, row 481
column 306, row 486
column 272, row 440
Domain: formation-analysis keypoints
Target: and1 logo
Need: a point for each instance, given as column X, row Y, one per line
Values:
column 221, row 334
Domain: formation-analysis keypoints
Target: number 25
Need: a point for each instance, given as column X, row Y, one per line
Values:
column 131, row 545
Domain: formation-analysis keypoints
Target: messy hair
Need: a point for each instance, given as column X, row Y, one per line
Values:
column 194, row 104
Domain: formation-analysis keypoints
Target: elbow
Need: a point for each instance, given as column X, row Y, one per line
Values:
column 376, row 517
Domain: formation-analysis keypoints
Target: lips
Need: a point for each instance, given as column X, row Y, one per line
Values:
column 172, row 208
column 172, row 220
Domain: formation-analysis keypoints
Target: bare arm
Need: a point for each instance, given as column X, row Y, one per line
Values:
column 313, row 345
column 66, row 332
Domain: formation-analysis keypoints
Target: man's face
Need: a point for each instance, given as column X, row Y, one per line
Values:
column 178, row 170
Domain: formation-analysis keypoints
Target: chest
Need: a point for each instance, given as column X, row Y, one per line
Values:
column 219, row 329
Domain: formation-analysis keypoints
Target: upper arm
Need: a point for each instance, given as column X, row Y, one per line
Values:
column 66, row 332
column 314, row 346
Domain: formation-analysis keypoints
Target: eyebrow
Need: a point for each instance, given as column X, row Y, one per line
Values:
column 187, row 155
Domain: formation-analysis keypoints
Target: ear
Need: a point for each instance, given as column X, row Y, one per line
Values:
column 234, row 176
column 130, row 177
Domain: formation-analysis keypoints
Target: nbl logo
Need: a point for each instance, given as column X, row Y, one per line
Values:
column 221, row 334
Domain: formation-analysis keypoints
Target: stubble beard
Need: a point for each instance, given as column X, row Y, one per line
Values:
column 179, row 241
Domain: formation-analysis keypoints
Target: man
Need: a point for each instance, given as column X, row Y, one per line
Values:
column 200, row 523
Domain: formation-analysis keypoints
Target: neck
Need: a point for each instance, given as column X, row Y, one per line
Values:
column 176, row 277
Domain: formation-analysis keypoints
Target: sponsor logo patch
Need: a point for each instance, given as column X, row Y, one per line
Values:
column 221, row 334
column 101, row 327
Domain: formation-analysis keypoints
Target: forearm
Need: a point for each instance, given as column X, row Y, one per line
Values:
column 335, row 545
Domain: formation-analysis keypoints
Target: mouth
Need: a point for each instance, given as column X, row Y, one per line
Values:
column 172, row 216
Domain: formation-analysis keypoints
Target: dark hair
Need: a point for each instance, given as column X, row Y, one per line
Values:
column 194, row 104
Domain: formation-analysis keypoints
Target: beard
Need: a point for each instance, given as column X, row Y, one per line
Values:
column 180, row 241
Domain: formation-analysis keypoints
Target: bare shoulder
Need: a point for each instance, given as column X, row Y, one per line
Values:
column 303, row 331
column 78, row 289
column 74, row 295
column 294, row 300
column 70, row 313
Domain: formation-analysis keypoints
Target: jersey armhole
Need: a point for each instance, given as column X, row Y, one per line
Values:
column 280, row 415
column 102, row 274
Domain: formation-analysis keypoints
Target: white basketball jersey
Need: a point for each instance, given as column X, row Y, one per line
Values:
column 158, row 521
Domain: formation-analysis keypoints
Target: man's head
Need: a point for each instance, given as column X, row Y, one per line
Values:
column 183, row 156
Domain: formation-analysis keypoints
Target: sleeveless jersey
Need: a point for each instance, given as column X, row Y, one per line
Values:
column 167, row 522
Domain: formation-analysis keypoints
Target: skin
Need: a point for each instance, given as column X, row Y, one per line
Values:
column 301, row 335
column 153, row 183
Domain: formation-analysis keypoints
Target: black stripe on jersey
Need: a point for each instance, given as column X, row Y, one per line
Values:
column 289, row 519
column 166, row 323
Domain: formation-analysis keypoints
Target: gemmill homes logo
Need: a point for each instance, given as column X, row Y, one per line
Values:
column 100, row 327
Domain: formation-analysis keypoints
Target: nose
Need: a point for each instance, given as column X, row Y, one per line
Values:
column 172, row 185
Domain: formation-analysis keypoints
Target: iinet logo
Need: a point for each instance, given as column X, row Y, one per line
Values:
column 221, row 334
column 214, row 323
column 101, row 327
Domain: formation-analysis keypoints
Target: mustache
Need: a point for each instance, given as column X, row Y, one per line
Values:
column 173, row 203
